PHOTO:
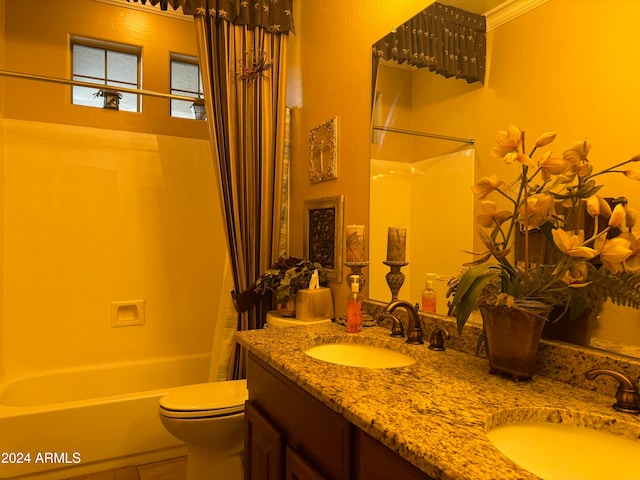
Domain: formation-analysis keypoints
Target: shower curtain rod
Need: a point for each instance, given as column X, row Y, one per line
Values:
column 470, row 141
column 64, row 81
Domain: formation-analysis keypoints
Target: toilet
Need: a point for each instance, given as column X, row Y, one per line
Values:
column 209, row 419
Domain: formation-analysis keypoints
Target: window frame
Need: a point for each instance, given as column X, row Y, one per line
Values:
column 107, row 46
column 199, row 95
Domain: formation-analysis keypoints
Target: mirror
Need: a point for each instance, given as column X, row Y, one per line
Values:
column 581, row 86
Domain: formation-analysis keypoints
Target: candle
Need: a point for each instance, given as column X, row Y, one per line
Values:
column 355, row 243
column 396, row 244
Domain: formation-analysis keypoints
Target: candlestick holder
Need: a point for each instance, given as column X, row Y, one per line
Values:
column 395, row 277
column 356, row 269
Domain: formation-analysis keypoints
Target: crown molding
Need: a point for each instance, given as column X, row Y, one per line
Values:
column 507, row 11
column 176, row 14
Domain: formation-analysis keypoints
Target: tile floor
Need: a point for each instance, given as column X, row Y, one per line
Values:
column 172, row 469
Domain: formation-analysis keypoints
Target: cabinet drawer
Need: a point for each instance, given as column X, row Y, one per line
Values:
column 309, row 427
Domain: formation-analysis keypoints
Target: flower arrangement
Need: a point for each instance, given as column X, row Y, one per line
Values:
column 288, row 276
column 585, row 267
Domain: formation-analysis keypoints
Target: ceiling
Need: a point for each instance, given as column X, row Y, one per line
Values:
column 476, row 6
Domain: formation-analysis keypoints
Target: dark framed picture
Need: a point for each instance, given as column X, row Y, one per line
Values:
column 323, row 231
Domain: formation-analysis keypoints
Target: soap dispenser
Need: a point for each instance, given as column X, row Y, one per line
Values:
column 354, row 307
column 429, row 295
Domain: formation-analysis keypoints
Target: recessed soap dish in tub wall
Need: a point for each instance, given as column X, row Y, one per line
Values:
column 126, row 314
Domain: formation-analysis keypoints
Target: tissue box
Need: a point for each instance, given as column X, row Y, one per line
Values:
column 314, row 304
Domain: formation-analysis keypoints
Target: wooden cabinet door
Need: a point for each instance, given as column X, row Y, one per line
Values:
column 374, row 461
column 297, row 468
column 263, row 447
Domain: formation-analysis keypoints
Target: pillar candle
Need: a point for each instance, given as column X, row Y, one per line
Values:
column 355, row 243
column 396, row 244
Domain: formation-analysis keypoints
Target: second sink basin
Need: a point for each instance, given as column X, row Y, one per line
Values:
column 561, row 451
column 359, row 355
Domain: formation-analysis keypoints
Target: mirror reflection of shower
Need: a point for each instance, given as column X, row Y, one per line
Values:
column 438, row 231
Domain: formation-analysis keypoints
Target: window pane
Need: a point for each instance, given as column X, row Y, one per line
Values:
column 181, row 109
column 85, row 96
column 184, row 77
column 122, row 67
column 88, row 61
column 129, row 102
column 185, row 81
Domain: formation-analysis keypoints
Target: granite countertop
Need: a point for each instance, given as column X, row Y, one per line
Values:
column 436, row 412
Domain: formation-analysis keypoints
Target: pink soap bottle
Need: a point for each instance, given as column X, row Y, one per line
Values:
column 429, row 295
column 354, row 307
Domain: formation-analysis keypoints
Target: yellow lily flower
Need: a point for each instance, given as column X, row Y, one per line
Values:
column 552, row 165
column 492, row 216
column 539, row 209
column 583, row 147
column 545, row 139
column 613, row 252
column 597, row 205
column 632, row 262
column 578, row 164
column 631, row 218
column 486, row 185
column 571, row 244
column 617, row 216
column 576, row 275
column 524, row 160
column 632, row 173
column 508, row 141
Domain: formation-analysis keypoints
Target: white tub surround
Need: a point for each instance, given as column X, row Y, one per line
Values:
column 76, row 421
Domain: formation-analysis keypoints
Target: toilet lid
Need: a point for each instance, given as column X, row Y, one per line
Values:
column 210, row 399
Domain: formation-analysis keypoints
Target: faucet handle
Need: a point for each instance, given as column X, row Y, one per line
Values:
column 437, row 338
column 397, row 331
column 627, row 396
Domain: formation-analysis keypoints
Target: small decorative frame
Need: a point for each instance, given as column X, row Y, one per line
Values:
column 323, row 234
column 323, row 152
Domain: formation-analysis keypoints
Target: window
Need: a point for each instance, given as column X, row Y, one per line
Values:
column 105, row 64
column 185, row 81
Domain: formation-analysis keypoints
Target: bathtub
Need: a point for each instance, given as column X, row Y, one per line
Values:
column 62, row 423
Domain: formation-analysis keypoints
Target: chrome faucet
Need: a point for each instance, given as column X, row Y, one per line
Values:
column 414, row 336
column 627, row 396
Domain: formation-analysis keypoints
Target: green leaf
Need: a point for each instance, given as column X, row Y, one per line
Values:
column 465, row 308
column 471, row 286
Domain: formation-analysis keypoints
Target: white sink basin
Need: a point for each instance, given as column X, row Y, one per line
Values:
column 359, row 355
column 561, row 451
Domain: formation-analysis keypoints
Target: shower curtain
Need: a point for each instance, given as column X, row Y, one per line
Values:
column 242, row 50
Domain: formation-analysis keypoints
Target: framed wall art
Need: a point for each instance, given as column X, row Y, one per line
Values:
column 322, row 233
column 323, row 152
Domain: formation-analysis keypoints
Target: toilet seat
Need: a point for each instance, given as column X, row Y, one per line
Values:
column 205, row 400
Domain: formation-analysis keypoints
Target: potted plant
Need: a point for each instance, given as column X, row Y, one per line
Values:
column 578, row 273
column 285, row 278
column 111, row 98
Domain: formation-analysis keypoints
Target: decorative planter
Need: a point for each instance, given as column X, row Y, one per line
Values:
column 577, row 331
column 512, row 338
column 111, row 98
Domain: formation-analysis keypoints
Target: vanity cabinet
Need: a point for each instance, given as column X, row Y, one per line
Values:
column 291, row 435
